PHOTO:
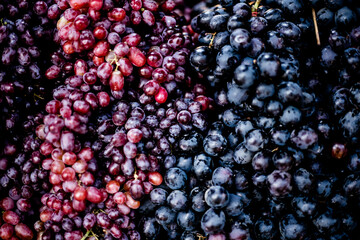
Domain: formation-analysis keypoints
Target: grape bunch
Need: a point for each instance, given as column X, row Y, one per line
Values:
column 81, row 204
column 22, row 183
column 341, row 40
column 96, row 77
column 143, row 37
column 341, row 15
column 24, row 28
column 213, row 195
column 276, row 129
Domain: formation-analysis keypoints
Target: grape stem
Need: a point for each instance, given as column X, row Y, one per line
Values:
column 116, row 68
column 38, row 96
column 94, row 235
column 212, row 39
column 2, row 22
column 136, row 176
column 274, row 150
column 86, row 235
column 254, row 8
column 316, row 27
column 115, row 59
column 200, row 237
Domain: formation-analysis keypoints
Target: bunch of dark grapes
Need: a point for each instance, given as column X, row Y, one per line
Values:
column 339, row 62
column 330, row 14
column 275, row 175
column 24, row 29
column 229, row 192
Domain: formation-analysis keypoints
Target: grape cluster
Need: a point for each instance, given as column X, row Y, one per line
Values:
column 342, row 15
column 95, row 164
column 24, row 28
column 22, row 184
column 272, row 142
column 341, row 51
column 337, row 59
column 110, row 36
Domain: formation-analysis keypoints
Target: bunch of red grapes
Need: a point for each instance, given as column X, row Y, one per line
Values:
column 108, row 52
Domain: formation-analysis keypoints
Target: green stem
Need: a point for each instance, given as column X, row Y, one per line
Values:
column 255, row 7
column 38, row 96
column 94, row 235
column 86, row 235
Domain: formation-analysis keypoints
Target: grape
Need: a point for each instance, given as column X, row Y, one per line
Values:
column 23, row 231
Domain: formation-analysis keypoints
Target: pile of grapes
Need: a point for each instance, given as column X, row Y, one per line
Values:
column 147, row 119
